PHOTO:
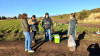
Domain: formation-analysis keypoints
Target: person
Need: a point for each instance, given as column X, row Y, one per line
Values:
column 34, row 27
column 47, row 25
column 72, row 29
column 94, row 49
column 26, row 32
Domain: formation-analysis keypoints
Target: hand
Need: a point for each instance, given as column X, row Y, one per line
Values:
column 30, row 30
column 51, row 28
column 39, row 21
column 70, row 35
column 33, row 22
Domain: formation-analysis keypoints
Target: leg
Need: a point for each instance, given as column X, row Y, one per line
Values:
column 49, row 32
column 29, row 40
column 34, row 35
column 45, row 34
column 74, row 48
column 26, row 41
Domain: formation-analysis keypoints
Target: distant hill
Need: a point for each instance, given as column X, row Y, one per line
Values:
column 79, row 15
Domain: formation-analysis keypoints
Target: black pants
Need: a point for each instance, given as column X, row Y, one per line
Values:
column 33, row 34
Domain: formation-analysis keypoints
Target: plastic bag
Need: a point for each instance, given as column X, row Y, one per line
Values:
column 71, row 42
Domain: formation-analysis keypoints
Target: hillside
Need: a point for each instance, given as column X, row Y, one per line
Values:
column 94, row 16
column 79, row 15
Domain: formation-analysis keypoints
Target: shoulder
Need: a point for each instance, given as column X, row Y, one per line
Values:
column 24, row 21
column 73, row 19
column 36, row 20
column 50, row 18
column 43, row 19
column 29, row 20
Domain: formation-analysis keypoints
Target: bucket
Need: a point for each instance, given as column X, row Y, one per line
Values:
column 57, row 38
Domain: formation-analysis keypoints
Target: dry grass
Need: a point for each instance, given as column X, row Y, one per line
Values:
column 93, row 18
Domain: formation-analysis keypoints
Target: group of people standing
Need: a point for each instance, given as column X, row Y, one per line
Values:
column 30, row 28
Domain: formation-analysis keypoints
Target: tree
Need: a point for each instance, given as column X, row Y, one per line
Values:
column 19, row 16
column 15, row 17
column 3, row 17
column 9, row 17
column 0, row 18
column 83, row 15
column 61, row 16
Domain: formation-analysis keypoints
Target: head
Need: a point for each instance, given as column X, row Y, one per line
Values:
column 33, row 17
column 72, row 15
column 46, row 15
column 96, row 45
column 24, row 16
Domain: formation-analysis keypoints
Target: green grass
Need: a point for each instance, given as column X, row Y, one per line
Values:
column 11, row 29
column 89, row 29
column 80, row 29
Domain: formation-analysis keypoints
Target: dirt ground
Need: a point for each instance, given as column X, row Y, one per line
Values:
column 16, row 48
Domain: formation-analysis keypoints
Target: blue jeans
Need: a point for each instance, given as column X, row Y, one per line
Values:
column 27, row 40
column 47, row 31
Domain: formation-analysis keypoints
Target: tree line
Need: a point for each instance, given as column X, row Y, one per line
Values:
column 15, row 17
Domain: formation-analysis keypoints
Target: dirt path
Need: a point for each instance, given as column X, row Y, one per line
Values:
column 80, row 24
column 89, row 25
column 16, row 48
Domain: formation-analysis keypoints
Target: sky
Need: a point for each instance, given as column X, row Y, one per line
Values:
column 10, row 8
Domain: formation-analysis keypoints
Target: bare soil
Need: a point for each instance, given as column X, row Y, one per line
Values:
column 16, row 48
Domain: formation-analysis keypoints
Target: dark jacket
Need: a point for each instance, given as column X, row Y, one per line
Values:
column 34, row 26
column 47, row 23
column 25, row 25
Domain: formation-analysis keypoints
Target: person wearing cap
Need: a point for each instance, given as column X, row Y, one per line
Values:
column 33, row 27
column 47, row 25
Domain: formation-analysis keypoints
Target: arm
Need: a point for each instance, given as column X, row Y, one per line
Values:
column 30, row 22
column 30, row 29
column 51, row 22
column 37, row 22
column 76, row 22
column 43, row 22
column 90, row 47
column 25, row 23
column 72, row 27
column 71, row 31
column 73, row 24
